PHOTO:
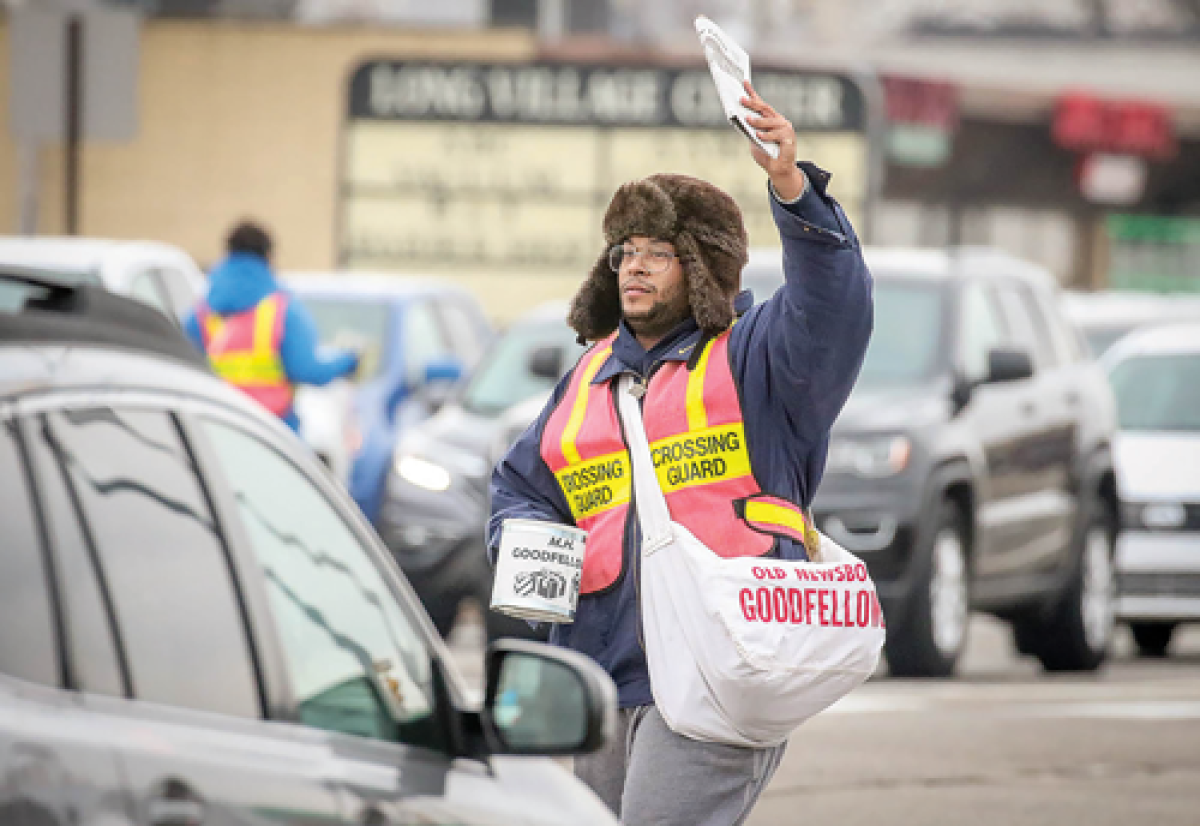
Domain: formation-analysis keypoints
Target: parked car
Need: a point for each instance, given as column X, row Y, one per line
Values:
column 1104, row 317
column 158, row 274
column 1155, row 373
column 972, row 466
column 436, row 508
column 197, row 625
column 419, row 338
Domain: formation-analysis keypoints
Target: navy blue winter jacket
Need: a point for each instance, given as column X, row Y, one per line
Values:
column 795, row 359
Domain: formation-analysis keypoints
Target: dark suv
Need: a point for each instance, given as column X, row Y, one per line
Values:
column 198, row 626
column 971, row 468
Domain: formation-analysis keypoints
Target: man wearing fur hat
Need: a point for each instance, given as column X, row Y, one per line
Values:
column 737, row 401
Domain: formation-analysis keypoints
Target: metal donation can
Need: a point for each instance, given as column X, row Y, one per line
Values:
column 537, row 570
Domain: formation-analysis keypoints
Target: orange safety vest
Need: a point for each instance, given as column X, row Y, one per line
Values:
column 694, row 424
column 244, row 350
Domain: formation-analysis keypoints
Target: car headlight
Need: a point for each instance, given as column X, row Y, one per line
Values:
column 423, row 473
column 1156, row 516
column 872, row 457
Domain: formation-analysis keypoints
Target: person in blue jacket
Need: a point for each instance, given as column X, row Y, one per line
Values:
column 664, row 303
column 257, row 336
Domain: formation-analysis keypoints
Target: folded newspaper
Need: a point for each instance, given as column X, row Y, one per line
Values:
column 730, row 67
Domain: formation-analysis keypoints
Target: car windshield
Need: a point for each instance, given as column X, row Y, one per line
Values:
column 505, row 377
column 1102, row 336
column 908, row 325
column 1159, row 392
column 345, row 322
column 906, row 340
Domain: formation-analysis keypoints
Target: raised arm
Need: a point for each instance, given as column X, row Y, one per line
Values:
column 302, row 360
column 809, row 339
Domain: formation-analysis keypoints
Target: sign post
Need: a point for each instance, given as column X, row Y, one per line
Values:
column 74, row 67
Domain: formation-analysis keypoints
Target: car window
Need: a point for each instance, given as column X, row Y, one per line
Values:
column 424, row 340
column 161, row 558
column 1025, row 329
column 467, row 331
column 90, row 637
column 179, row 290
column 1069, row 345
column 28, row 648
column 344, row 322
column 906, row 344
column 147, row 288
column 1158, row 392
column 357, row 663
column 980, row 331
column 504, row 378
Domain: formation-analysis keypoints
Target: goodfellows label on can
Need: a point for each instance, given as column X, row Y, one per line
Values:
column 538, row 569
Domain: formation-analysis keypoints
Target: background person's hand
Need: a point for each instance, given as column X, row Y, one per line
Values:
column 773, row 127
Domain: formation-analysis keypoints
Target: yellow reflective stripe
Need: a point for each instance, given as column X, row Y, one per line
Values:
column 264, row 325
column 596, row 485
column 249, row 368
column 716, row 454
column 214, row 324
column 696, row 412
column 579, row 409
column 771, row 514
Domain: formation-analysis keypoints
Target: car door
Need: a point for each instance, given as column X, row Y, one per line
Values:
column 1047, row 459
column 358, row 655
column 55, row 767
column 1002, row 418
column 159, row 648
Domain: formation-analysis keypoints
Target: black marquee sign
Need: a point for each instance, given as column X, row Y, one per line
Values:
column 588, row 95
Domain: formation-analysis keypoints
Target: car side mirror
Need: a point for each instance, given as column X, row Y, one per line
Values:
column 445, row 369
column 438, row 381
column 546, row 701
column 1008, row 364
column 546, row 362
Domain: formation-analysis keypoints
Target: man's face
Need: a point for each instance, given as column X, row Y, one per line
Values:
column 653, row 303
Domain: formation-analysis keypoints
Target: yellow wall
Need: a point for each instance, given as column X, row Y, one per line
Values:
column 235, row 120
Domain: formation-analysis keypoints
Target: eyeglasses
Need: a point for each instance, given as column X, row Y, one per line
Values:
column 654, row 259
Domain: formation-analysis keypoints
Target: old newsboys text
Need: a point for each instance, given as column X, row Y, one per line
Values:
column 810, row 604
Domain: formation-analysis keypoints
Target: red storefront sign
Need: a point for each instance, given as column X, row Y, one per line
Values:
column 921, row 102
column 922, row 119
column 1085, row 123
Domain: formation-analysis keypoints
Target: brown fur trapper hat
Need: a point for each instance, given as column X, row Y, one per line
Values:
column 703, row 223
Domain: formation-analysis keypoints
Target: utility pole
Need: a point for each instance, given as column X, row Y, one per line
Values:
column 73, row 119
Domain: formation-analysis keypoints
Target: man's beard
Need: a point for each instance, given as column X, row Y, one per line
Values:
column 662, row 317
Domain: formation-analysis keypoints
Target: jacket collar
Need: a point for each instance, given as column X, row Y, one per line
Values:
column 628, row 355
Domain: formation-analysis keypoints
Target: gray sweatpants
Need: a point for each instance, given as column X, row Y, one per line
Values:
column 651, row 776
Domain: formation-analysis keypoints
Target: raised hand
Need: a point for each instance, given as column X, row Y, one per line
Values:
column 773, row 127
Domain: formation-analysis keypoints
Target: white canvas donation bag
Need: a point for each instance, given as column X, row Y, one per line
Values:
column 742, row 651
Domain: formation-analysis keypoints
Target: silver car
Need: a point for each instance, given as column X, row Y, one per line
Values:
column 1155, row 374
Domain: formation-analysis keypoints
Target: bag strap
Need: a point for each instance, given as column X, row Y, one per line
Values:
column 653, row 515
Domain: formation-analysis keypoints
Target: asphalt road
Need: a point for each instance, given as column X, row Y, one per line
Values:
column 1004, row 744
column 1001, row 744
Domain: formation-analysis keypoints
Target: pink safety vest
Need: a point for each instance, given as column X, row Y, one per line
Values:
column 697, row 440
column 244, row 350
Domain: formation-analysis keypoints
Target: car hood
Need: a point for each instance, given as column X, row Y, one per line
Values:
column 457, row 427
column 892, row 408
column 1158, row 466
